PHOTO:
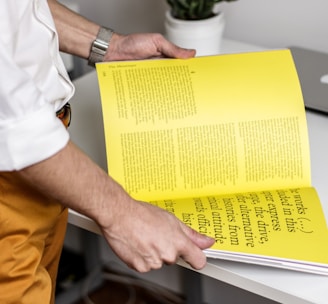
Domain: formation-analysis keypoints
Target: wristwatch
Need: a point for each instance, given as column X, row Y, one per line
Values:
column 100, row 45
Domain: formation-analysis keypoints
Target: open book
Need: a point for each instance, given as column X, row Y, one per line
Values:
column 221, row 142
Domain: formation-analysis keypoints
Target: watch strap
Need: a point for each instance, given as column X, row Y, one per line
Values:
column 100, row 45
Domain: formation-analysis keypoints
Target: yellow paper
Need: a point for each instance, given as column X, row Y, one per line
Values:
column 284, row 224
column 189, row 135
column 218, row 124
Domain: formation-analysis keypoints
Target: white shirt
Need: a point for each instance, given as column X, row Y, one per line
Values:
column 33, row 85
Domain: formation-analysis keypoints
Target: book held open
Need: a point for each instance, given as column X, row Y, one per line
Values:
column 221, row 142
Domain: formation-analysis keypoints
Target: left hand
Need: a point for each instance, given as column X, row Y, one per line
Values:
column 144, row 46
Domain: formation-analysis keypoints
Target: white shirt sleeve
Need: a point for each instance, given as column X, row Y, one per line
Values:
column 33, row 85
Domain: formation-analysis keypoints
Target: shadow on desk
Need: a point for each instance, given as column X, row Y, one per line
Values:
column 119, row 287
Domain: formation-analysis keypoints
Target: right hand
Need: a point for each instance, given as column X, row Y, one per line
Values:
column 145, row 237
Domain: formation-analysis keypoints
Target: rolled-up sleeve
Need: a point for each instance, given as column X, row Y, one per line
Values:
column 33, row 86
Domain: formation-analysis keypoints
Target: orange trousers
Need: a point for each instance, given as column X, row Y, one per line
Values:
column 32, row 231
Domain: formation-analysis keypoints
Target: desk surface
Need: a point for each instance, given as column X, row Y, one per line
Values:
column 279, row 285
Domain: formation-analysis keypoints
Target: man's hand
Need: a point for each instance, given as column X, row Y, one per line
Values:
column 145, row 237
column 144, row 46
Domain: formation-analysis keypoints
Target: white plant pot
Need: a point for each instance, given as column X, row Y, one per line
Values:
column 203, row 35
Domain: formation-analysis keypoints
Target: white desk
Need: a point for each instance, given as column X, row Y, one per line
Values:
column 280, row 285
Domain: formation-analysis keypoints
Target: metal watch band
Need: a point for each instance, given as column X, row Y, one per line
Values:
column 100, row 45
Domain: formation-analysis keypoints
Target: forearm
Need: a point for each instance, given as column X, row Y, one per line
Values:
column 78, row 183
column 75, row 32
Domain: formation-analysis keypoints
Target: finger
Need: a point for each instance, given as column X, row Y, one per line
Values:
column 191, row 251
column 153, row 261
column 194, row 256
column 178, row 52
column 171, row 50
column 200, row 240
column 143, row 264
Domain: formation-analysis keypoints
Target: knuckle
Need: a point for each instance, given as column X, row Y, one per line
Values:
column 171, row 258
column 142, row 268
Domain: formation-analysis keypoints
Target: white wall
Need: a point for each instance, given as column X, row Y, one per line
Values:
column 279, row 23
column 126, row 16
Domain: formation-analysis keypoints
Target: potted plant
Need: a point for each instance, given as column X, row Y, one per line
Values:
column 195, row 24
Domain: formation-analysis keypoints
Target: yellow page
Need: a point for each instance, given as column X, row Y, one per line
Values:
column 206, row 125
column 285, row 223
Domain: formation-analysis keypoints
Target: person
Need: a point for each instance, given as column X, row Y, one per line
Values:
column 42, row 173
